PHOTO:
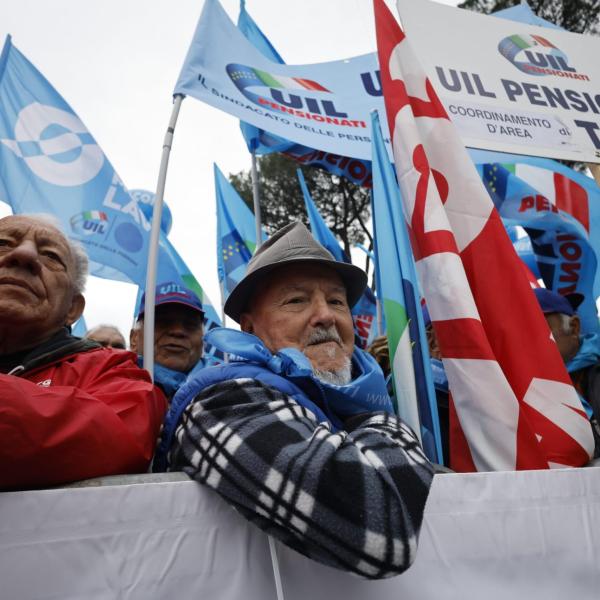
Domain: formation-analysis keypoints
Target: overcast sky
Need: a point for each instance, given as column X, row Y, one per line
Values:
column 116, row 62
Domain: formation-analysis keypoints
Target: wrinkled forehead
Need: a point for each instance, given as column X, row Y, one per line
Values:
column 298, row 277
column 42, row 233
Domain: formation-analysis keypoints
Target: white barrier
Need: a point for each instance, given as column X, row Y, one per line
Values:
column 486, row 536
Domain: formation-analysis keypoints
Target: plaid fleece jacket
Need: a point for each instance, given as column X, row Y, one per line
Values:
column 352, row 500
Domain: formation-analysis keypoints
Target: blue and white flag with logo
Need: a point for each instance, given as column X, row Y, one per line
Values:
column 560, row 211
column 50, row 163
column 262, row 142
column 324, row 106
column 236, row 234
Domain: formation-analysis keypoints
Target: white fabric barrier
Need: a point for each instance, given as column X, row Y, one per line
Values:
column 486, row 536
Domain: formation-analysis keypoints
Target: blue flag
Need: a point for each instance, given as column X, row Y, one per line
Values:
column 409, row 355
column 236, row 234
column 50, row 163
column 560, row 210
column 364, row 312
column 262, row 142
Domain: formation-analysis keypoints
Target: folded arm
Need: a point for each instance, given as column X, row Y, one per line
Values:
column 353, row 499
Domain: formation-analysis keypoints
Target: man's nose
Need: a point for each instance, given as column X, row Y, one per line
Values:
column 24, row 256
column 177, row 328
column 322, row 315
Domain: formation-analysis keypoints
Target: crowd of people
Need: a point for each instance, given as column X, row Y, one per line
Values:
column 296, row 429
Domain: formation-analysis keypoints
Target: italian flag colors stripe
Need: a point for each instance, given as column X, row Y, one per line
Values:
column 289, row 83
column 95, row 215
column 401, row 360
column 543, row 41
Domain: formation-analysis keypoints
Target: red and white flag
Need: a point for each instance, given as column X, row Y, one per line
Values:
column 512, row 402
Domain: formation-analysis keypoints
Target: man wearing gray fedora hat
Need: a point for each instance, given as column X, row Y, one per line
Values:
column 297, row 431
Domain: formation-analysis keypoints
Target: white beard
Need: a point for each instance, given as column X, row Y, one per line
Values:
column 342, row 376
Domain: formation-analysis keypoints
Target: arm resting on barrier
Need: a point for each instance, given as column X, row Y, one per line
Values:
column 353, row 499
column 94, row 414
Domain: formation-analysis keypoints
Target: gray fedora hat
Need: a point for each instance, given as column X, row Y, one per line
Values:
column 291, row 244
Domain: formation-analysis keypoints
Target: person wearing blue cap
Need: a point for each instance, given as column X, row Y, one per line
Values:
column 178, row 335
column 580, row 353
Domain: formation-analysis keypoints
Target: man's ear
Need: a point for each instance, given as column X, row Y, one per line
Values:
column 76, row 310
column 246, row 323
column 575, row 323
column 133, row 341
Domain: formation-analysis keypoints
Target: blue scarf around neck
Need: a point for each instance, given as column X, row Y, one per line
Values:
column 365, row 393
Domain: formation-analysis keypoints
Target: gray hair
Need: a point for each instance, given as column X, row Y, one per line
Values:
column 99, row 327
column 80, row 258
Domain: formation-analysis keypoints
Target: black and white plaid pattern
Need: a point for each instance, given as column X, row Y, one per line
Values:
column 352, row 500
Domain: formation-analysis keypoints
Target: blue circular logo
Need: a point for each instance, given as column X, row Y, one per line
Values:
column 128, row 236
column 534, row 55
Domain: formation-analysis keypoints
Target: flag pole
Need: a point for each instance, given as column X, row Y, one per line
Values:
column 154, row 237
column 256, row 199
column 222, row 286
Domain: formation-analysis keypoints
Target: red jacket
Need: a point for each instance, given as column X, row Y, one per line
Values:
column 85, row 415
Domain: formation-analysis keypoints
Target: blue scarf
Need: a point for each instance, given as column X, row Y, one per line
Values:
column 365, row 393
column 440, row 381
column 589, row 353
column 169, row 379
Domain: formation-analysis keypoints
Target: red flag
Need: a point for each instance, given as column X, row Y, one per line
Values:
column 512, row 402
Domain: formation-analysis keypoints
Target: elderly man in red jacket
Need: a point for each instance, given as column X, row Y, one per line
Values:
column 69, row 408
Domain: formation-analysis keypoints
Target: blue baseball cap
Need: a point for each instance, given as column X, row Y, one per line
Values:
column 173, row 293
column 551, row 302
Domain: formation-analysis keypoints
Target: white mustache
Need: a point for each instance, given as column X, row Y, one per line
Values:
column 321, row 335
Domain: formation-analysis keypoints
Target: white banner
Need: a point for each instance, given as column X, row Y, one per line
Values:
column 533, row 535
column 510, row 86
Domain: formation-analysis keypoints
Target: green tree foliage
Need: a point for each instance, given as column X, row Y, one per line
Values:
column 578, row 16
column 343, row 205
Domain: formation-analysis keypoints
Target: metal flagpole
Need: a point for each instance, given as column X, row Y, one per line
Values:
column 256, row 199
column 276, row 572
column 222, row 286
column 154, row 237
column 379, row 315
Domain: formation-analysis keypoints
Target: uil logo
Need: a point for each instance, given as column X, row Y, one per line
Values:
column 89, row 222
column 55, row 145
column 535, row 55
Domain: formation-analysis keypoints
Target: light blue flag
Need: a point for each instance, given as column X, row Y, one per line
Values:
column 324, row 106
column 263, row 142
column 560, row 210
column 258, row 140
column 145, row 200
column 318, row 227
column 364, row 312
column 50, row 163
column 409, row 355
column 236, row 234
